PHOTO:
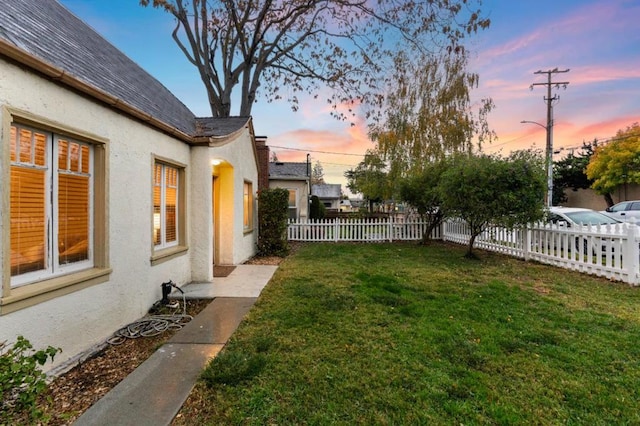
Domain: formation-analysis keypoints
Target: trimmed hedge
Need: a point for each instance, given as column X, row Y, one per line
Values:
column 273, row 204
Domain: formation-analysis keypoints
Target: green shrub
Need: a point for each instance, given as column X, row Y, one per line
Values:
column 273, row 215
column 317, row 209
column 21, row 379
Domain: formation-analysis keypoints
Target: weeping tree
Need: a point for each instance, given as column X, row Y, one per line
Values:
column 429, row 119
column 429, row 114
column 280, row 49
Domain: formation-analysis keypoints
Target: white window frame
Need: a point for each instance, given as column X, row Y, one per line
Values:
column 163, row 207
column 52, row 268
column 295, row 199
column 248, row 206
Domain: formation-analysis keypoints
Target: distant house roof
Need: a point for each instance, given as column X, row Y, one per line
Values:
column 69, row 51
column 288, row 171
column 327, row 190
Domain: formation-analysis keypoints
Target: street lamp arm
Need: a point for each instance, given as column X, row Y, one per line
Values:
column 534, row 122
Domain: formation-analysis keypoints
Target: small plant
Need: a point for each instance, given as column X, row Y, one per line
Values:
column 21, row 379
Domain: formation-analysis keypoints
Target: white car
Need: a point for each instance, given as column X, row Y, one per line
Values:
column 625, row 211
column 572, row 216
column 579, row 217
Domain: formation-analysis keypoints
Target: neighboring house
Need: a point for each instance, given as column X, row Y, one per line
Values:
column 329, row 194
column 345, row 206
column 293, row 177
column 110, row 185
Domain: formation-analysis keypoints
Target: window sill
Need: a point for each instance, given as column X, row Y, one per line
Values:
column 248, row 231
column 42, row 291
column 164, row 255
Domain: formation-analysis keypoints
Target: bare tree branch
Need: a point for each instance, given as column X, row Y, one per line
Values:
column 303, row 45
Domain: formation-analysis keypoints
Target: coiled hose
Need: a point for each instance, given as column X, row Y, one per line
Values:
column 152, row 325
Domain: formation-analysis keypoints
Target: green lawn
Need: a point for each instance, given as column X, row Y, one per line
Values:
column 404, row 334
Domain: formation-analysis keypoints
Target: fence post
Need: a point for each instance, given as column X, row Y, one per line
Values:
column 526, row 241
column 336, row 229
column 631, row 253
column 390, row 227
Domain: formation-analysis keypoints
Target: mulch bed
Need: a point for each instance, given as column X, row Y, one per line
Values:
column 72, row 393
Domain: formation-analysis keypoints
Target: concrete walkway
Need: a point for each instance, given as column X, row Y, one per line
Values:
column 154, row 393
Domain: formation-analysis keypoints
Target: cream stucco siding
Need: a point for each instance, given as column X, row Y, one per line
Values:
column 201, row 223
column 238, row 166
column 77, row 321
column 302, row 193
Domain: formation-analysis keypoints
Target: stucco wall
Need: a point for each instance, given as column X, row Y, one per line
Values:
column 201, row 223
column 240, row 163
column 79, row 320
column 302, row 193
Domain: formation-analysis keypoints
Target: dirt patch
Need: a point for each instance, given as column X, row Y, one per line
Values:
column 268, row 260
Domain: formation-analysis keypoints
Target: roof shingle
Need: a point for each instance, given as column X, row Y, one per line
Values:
column 288, row 171
column 50, row 32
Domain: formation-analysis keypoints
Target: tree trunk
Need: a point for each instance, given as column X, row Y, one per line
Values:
column 608, row 199
column 426, row 236
column 470, row 254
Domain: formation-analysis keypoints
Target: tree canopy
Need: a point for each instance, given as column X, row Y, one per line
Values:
column 422, row 192
column 283, row 48
column 571, row 172
column 617, row 163
column 370, row 179
column 317, row 174
column 429, row 115
column 486, row 190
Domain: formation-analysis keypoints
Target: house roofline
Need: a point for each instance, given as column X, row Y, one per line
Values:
column 298, row 178
column 59, row 75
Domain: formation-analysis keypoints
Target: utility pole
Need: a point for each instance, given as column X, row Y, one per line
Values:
column 549, row 128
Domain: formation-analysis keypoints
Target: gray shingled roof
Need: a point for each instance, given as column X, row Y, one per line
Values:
column 288, row 171
column 47, row 30
column 211, row 126
column 327, row 190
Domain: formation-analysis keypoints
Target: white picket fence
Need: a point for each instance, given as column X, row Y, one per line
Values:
column 362, row 230
column 611, row 251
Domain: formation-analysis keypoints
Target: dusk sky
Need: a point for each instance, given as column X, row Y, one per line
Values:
column 599, row 41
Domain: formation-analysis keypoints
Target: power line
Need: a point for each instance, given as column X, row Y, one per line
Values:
column 512, row 140
column 320, row 152
column 338, row 164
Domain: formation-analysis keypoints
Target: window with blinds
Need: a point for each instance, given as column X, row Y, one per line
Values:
column 293, row 204
column 165, row 205
column 50, row 204
column 73, row 202
column 248, row 206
